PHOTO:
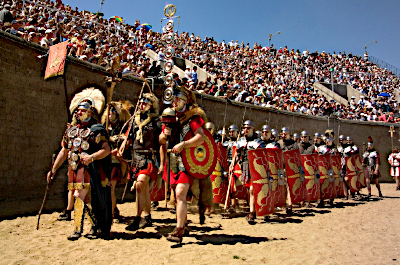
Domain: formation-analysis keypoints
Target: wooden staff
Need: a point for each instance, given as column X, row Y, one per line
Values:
column 46, row 194
column 391, row 134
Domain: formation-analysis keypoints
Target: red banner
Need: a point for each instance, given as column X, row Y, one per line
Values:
column 311, row 174
column 295, row 176
column 351, row 173
column 258, row 166
column 360, row 172
column 328, row 190
column 56, row 60
column 278, row 178
column 337, row 172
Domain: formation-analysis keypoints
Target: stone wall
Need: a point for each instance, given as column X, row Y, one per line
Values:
column 34, row 114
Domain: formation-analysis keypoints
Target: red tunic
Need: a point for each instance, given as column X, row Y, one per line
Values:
column 182, row 176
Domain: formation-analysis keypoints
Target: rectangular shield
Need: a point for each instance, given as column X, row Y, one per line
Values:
column 278, row 178
column 258, row 167
column 360, row 172
column 295, row 176
column 351, row 173
column 328, row 190
column 337, row 172
column 222, row 157
column 157, row 190
column 311, row 175
column 219, row 184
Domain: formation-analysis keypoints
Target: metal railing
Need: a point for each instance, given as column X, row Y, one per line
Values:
column 385, row 65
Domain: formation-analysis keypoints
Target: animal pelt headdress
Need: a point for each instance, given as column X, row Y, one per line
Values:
column 153, row 112
column 194, row 110
column 191, row 97
column 123, row 110
column 92, row 95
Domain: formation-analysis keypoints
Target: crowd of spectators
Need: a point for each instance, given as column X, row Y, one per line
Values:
column 275, row 78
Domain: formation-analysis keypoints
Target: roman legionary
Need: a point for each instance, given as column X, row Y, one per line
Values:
column 306, row 148
column 248, row 141
column 342, row 144
column 372, row 162
column 287, row 143
column 85, row 145
column 267, row 139
column 318, row 141
column 328, row 147
column 394, row 161
column 143, row 141
column 118, row 114
column 229, row 144
column 191, row 120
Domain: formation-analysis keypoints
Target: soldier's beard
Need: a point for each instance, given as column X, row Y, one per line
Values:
column 84, row 118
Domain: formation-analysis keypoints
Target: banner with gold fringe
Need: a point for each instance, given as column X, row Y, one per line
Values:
column 56, row 60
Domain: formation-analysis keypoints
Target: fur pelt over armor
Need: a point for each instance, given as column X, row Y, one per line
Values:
column 92, row 95
column 193, row 110
column 153, row 112
column 123, row 110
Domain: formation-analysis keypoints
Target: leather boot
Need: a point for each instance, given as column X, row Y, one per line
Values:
column 176, row 235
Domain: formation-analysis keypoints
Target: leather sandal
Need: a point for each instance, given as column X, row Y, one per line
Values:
column 74, row 236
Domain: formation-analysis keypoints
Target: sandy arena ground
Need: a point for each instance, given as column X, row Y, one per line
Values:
column 352, row 232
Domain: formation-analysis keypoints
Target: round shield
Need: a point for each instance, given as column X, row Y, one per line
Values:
column 200, row 161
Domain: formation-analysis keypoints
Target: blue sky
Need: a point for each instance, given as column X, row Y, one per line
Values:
column 316, row 25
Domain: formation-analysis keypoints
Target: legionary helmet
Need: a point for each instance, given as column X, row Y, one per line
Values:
column 317, row 135
column 210, row 127
column 341, row 138
column 296, row 136
column 233, row 127
column 248, row 124
column 266, row 128
column 304, row 133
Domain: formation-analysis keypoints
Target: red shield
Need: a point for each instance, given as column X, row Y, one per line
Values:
column 360, row 172
column 337, row 172
column 311, row 174
column 222, row 156
column 157, row 190
column 328, row 190
column 295, row 176
column 219, row 185
column 351, row 173
column 278, row 178
column 200, row 161
column 258, row 167
column 239, row 191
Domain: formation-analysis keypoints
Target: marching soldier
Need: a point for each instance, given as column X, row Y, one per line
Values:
column 394, row 161
column 248, row 141
column 296, row 137
column 372, row 162
column 85, row 145
column 328, row 147
column 305, row 146
column 287, row 143
column 118, row 114
column 190, row 118
column 350, row 148
column 229, row 144
column 146, row 126
column 341, row 145
column 266, row 136
column 318, row 141
column 274, row 134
